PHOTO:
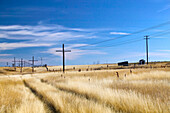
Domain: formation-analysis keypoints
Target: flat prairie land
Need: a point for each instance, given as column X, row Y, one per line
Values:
column 100, row 90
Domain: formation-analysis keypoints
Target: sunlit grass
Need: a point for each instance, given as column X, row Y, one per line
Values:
column 88, row 92
column 15, row 98
column 146, row 92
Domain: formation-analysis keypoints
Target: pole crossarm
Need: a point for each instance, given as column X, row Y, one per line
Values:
column 20, row 62
column 33, row 60
column 63, row 51
column 16, row 61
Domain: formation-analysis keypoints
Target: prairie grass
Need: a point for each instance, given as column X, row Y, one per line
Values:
column 67, row 102
column 142, row 91
column 145, row 92
column 10, row 98
column 15, row 98
column 151, row 76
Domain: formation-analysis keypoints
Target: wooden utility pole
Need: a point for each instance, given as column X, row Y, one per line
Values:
column 63, row 56
column 41, row 61
column 147, row 47
column 14, row 64
column 24, row 63
column 21, row 65
column 33, row 63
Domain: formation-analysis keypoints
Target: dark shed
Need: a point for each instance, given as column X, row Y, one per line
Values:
column 125, row 63
column 142, row 61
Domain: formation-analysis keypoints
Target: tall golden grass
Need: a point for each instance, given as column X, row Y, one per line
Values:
column 140, row 93
column 87, row 92
column 67, row 102
column 16, row 98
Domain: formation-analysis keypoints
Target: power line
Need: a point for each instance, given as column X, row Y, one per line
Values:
column 157, row 33
column 128, row 41
column 113, row 45
column 125, row 42
column 160, row 34
column 146, row 29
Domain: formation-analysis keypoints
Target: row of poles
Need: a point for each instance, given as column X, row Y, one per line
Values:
column 63, row 51
column 22, row 63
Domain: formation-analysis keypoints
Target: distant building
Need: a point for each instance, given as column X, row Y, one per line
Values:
column 142, row 61
column 125, row 63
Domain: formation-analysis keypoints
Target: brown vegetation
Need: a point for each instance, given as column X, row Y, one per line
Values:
column 101, row 91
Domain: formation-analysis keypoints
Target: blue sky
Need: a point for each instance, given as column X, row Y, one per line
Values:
column 39, row 27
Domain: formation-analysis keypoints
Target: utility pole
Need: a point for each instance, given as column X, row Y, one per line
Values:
column 147, row 47
column 33, row 63
column 21, row 65
column 24, row 63
column 41, row 61
column 63, row 56
column 14, row 63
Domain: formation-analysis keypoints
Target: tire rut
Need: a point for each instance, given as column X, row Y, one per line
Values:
column 86, row 96
column 42, row 98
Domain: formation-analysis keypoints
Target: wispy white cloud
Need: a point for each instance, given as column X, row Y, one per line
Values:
column 6, row 60
column 5, row 55
column 119, row 33
column 13, row 27
column 159, row 37
column 158, row 54
column 21, row 32
column 44, row 33
column 167, row 7
column 9, row 46
column 3, row 35
column 76, row 45
column 164, row 50
column 39, row 27
column 75, row 53
column 27, row 33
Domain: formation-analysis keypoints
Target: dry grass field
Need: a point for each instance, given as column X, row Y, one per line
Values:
column 141, row 90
